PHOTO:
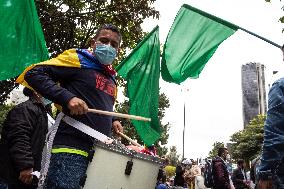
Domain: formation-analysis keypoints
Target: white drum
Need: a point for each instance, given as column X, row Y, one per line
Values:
column 108, row 167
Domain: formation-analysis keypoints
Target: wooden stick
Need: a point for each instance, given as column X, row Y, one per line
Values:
column 127, row 116
column 130, row 140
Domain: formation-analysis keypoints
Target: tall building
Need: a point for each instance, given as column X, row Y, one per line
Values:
column 253, row 91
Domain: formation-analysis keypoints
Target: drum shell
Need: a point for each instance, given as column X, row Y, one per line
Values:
column 107, row 170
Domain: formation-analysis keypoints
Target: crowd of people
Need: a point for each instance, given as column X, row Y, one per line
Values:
column 191, row 175
column 267, row 169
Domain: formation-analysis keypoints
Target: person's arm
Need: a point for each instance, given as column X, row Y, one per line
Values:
column 44, row 80
column 20, row 123
column 264, row 184
column 264, row 178
column 273, row 133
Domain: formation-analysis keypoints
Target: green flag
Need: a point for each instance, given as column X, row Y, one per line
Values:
column 141, row 69
column 21, row 38
column 191, row 42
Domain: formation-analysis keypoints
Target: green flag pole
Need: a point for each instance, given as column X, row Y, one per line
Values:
column 217, row 19
column 260, row 37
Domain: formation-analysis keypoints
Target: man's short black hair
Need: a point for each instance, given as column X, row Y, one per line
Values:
column 221, row 150
column 111, row 27
column 240, row 161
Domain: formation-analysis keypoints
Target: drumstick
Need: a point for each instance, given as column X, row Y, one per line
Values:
column 129, row 139
column 119, row 115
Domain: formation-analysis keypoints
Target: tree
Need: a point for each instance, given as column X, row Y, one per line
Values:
column 173, row 156
column 281, row 19
column 247, row 143
column 129, row 128
column 6, row 87
column 214, row 152
column 4, row 109
column 68, row 24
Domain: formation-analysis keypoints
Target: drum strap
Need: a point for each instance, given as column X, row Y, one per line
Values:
column 86, row 129
column 46, row 154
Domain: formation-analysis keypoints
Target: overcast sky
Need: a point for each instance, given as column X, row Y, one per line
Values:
column 213, row 102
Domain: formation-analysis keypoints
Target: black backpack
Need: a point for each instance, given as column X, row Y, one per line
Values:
column 208, row 174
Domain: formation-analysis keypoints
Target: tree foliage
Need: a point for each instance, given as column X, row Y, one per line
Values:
column 6, row 86
column 68, row 23
column 173, row 156
column 247, row 143
column 129, row 128
column 71, row 24
column 214, row 152
column 281, row 19
column 4, row 109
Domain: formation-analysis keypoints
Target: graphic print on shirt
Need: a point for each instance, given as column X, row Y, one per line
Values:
column 105, row 85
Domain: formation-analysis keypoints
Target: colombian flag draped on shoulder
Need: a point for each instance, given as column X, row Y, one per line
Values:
column 21, row 38
column 192, row 40
column 141, row 69
column 76, row 58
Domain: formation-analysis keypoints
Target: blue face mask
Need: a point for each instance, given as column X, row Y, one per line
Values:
column 105, row 54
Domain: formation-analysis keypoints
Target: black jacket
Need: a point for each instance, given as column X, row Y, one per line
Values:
column 22, row 139
column 238, row 178
column 220, row 174
column 179, row 179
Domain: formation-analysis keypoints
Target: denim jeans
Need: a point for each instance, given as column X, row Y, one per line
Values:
column 66, row 171
column 273, row 144
column 278, row 177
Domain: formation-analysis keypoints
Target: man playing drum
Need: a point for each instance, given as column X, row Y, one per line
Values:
column 89, row 83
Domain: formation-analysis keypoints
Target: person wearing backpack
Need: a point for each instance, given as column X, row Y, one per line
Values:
column 219, row 170
column 208, row 177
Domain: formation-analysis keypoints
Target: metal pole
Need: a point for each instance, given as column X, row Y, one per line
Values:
column 260, row 37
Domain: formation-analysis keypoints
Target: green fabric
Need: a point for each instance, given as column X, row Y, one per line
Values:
column 191, row 42
column 141, row 69
column 21, row 38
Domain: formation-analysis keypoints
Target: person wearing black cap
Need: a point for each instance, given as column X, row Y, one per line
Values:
column 22, row 141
